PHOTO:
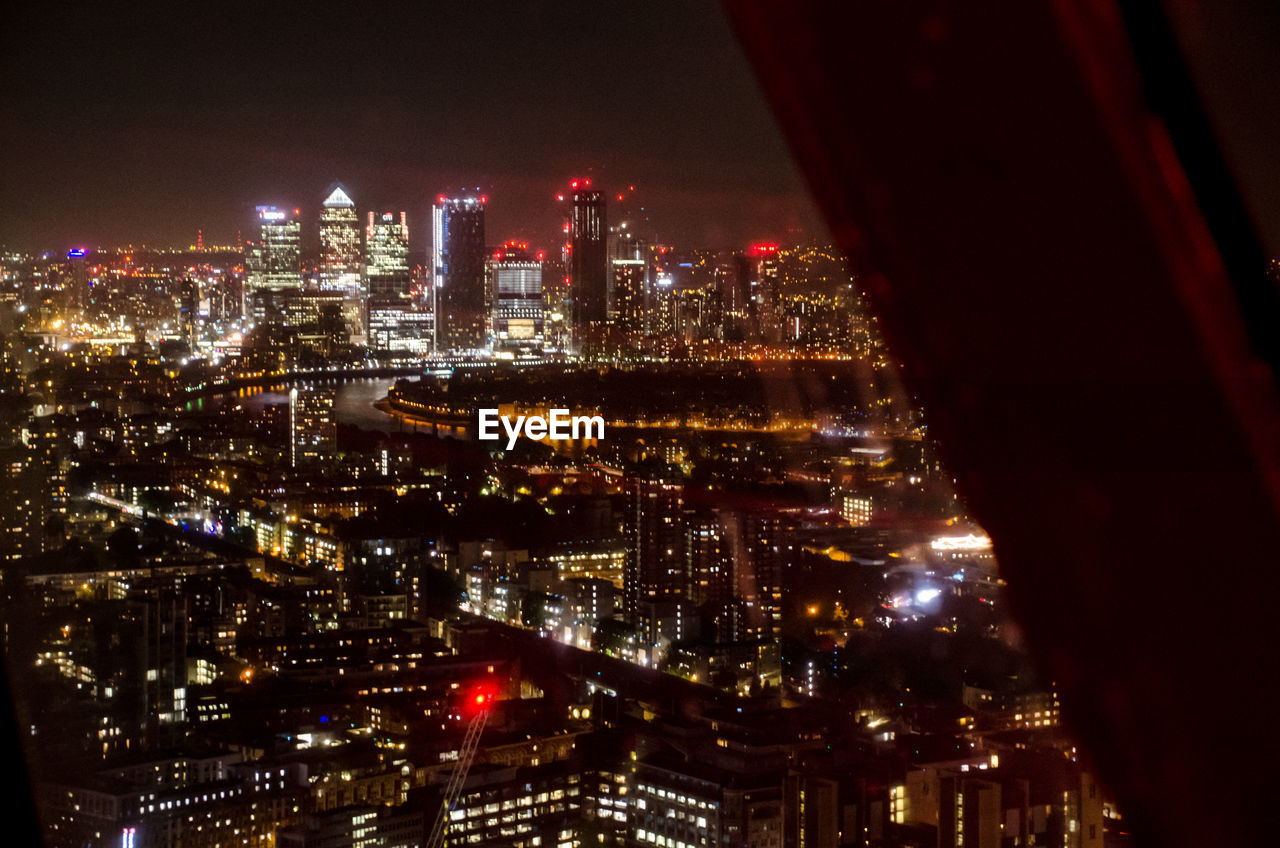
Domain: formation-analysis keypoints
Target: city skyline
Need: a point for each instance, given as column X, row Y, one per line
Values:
column 879, row 531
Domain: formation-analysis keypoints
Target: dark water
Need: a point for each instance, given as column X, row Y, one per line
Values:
column 354, row 402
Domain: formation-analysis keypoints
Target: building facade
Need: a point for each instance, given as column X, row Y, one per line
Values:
column 273, row 267
column 459, row 272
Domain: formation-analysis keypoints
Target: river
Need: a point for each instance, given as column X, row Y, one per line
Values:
column 354, row 402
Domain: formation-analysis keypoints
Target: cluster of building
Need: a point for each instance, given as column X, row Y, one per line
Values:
column 755, row 613
column 605, row 287
column 249, row 703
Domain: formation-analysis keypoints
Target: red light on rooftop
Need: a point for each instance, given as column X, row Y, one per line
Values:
column 573, row 184
column 542, row 254
column 484, row 198
column 619, row 197
column 559, row 197
column 440, row 199
column 481, row 697
column 632, row 188
column 763, row 248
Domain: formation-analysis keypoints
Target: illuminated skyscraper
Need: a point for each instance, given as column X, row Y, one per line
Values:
column 189, row 310
column 628, row 272
column 588, row 255
column 516, row 322
column 396, row 321
column 340, row 257
column 79, row 279
column 459, row 263
column 272, row 264
column 339, row 243
column 386, row 256
column 660, row 313
column 765, row 290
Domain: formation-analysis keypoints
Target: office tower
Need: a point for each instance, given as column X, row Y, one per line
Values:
column 459, row 253
column 516, row 322
column 313, row 427
column 730, row 288
column 386, row 256
column 764, row 290
column 557, row 303
column 654, row 531
column 326, row 315
column 340, row 257
column 588, row 255
column 189, row 310
column 396, row 321
column 272, row 265
column 339, row 243
column 79, row 279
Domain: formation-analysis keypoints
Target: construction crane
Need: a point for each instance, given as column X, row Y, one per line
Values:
column 482, row 703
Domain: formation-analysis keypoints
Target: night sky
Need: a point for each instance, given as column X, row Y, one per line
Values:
column 130, row 123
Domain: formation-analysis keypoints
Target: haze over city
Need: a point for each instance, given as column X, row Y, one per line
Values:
column 128, row 125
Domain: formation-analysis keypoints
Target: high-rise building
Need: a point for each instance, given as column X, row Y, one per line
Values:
column 628, row 278
column 557, row 303
column 627, row 294
column 516, row 314
column 758, row 558
column 459, row 272
column 340, row 257
column 386, row 256
column 79, row 279
column 654, row 531
column 396, row 321
column 709, row 562
column 189, row 310
column 273, row 264
column 313, row 427
column 588, row 255
column 339, row 243
column 660, row 312
column 735, row 571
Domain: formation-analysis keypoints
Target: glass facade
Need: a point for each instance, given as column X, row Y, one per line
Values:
column 516, row 312
column 459, row 272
